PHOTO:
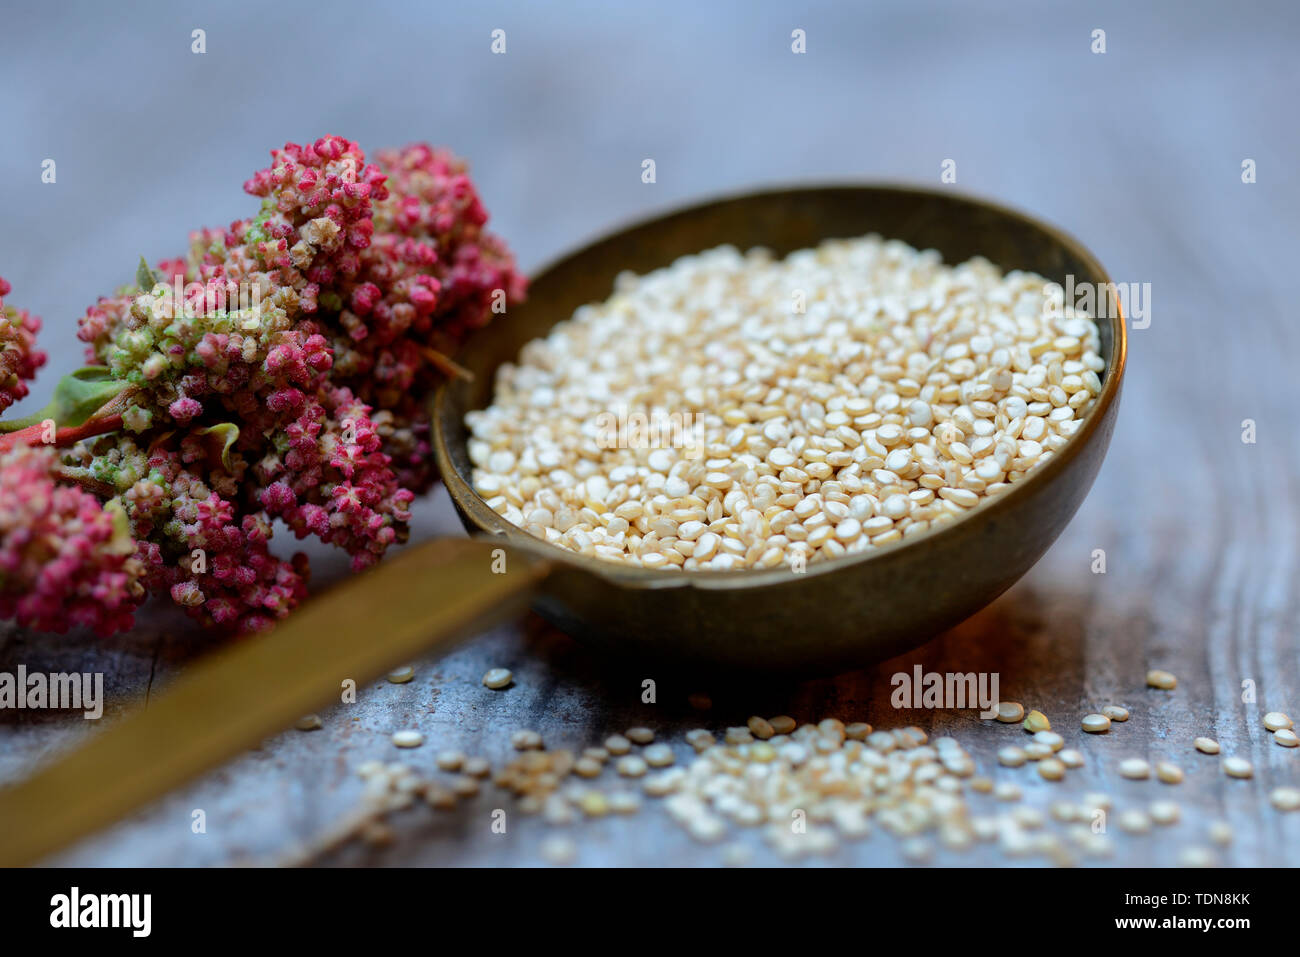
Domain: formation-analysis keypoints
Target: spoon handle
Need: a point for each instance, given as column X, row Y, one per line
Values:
column 427, row 598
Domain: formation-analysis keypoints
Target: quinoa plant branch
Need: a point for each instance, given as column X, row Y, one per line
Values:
column 278, row 370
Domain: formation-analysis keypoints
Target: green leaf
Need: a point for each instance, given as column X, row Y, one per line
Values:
column 228, row 434
column 77, row 397
column 145, row 277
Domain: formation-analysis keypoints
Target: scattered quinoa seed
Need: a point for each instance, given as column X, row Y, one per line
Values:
column 526, row 741
column 1051, row 769
column 616, row 744
column 1036, row 721
column 1276, row 721
column 407, row 739
column 1164, row 812
column 450, row 760
column 658, row 755
column 309, row 722
column 1169, row 772
column 1195, row 856
column 1051, row 739
column 400, row 676
column 1006, row 791
column 1161, row 679
column 1012, row 756
column 1286, row 738
column 497, row 678
column 630, row 766
column 1096, row 723
column 1135, row 769
column 1134, row 821
column 1235, row 767
column 1285, row 798
column 639, row 735
column 1010, row 712
column 760, row 728
column 559, row 849
column 587, row 768
column 1037, row 750
column 1207, row 745
column 465, row 786
column 1221, row 833
column 1115, row 712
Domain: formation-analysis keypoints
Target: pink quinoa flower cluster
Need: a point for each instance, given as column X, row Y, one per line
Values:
column 281, row 369
column 65, row 559
column 19, row 358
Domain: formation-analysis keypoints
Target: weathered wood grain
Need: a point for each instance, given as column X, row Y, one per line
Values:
column 1138, row 152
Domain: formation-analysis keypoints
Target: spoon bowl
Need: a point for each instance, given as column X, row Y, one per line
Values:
column 843, row 613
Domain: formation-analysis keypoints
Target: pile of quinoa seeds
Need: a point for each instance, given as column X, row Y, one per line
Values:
column 736, row 411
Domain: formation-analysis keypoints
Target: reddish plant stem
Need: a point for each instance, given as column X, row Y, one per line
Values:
column 62, row 437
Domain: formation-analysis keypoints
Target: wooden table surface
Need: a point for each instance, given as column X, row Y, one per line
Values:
column 1137, row 151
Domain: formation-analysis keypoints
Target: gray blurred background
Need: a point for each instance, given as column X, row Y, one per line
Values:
column 152, row 140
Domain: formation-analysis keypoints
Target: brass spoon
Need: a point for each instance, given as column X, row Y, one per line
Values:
column 848, row 612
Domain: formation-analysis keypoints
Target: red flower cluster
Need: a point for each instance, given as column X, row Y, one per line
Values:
column 281, row 370
column 19, row 358
column 65, row 559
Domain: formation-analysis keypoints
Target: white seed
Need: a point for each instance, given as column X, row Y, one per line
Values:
column 1011, row 756
column 1285, row 798
column 1036, row 721
column 558, row 849
column 1169, row 772
column 1115, row 712
column 1196, row 857
column 1051, row 739
column 1221, row 832
column 1206, row 745
column 639, row 735
column 450, row 760
column 630, row 766
column 526, row 741
column 1135, row 769
column 498, row 678
column 1276, row 721
column 1096, row 723
column 1071, row 758
column 1006, row 791
column 1134, row 821
column 1051, row 769
column 400, row 676
column 617, row 744
column 1010, row 712
column 408, row 739
column 1164, row 812
column 658, row 755
column 1286, row 738
column 309, row 722
column 1235, row 767
column 1161, row 679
